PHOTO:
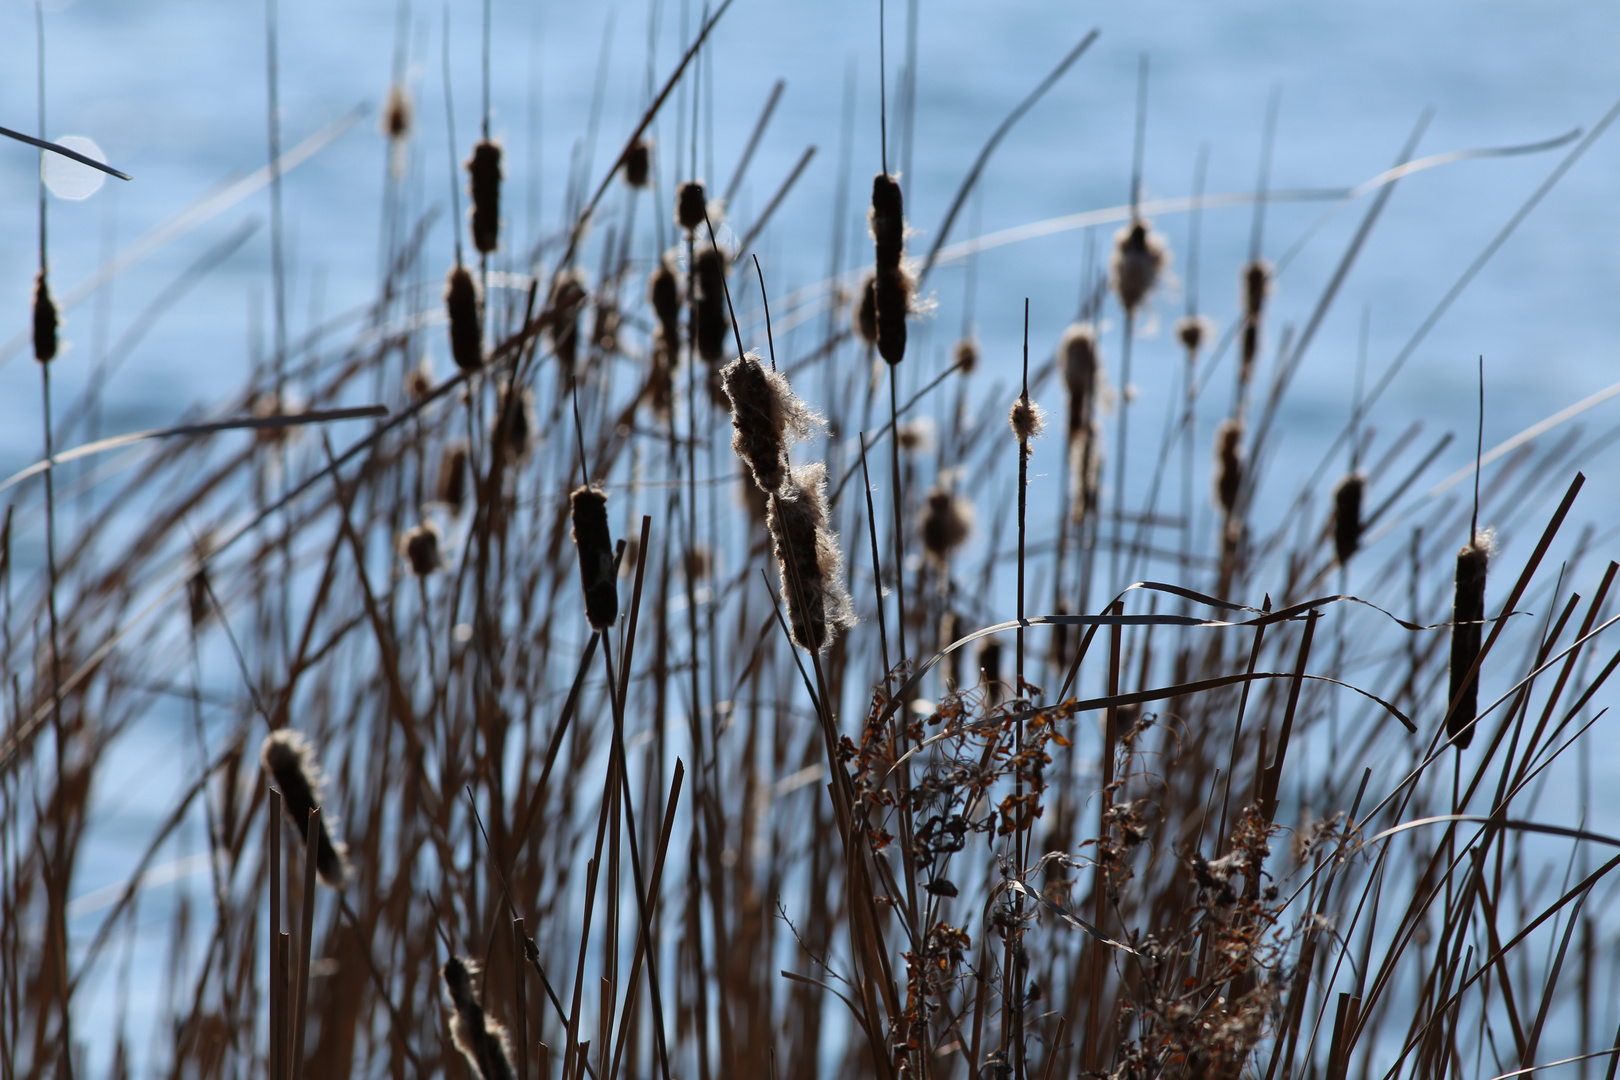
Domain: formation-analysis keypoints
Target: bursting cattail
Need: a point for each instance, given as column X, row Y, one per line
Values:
column 1228, row 463
column 420, row 547
column 965, row 355
column 1026, row 419
column 947, row 522
column 891, row 303
column 567, row 301
column 464, row 308
column 290, row 760
column 690, row 206
column 481, row 1040
column 1347, row 515
column 809, row 559
column 1139, row 257
column 1467, row 629
column 766, row 418
column 709, row 296
column 484, row 187
column 397, row 113
column 1192, row 330
column 595, row 544
column 638, row 163
column 515, row 425
column 864, row 317
column 453, row 477
column 45, row 321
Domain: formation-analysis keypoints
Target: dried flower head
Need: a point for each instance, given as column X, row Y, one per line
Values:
column 1026, row 419
column 638, row 163
column 1140, row 257
column 1228, row 463
column 1467, row 630
column 965, row 355
column 290, row 760
column 453, row 477
column 1192, row 331
column 45, row 321
column 568, row 298
column 484, row 186
column 481, row 1040
column 947, row 522
column 595, row 543
column 465, row 310
column 1347, row 515
column 766, row 418
column 709, row 295
column 690, row 205
column 809, row 559
column 420, row 547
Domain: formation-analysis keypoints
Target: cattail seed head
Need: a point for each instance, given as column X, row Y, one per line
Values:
column 949, row 631
column 420, row 547
column 664, row 292
column 464, row 307
column 1256, row 286
column 419, row 380
column 1026, row 419
column 484, row 186
column 397, row 113
column 515, row 425
column 45, row 321
column 453, row 477
column 965, row 355
column 568, row 298
column 809, row 559
column 1248, row 351
column 482, row 1041
column 638, row 163
column 290, row 760
column 1347, row 515
column 766, row 418
column 1077, row 355
column 1139, row 257
column 864, row 317
column 1467, row 631
column 709, row 288
column 595, row 544
column 891, row 303
column 1192, row 331
column 947, row 522
column 990, row 668
column 690, row 206
column 1228, row 463
column 916, row 436
column 887, row 221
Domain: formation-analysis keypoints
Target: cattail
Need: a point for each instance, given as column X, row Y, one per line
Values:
column 465, row 310
column 397, row 113
column 891, row 303
column 1026, row 419
column 1077, row 355
column 419, row 380
column 965, row 355
column 865, row 314
column 949, row 631
column 809, row 559
column 664, row 295
column 568, row 298
column 887, row 221
column 595, row 544
column 1347, row 515
column 1139, row 257
column 420, row 547
column 990, row 668
column 946, row 523
column 697, row 563
column 691, row 207
column 453, row 477
column 1228, row 463
column 766, row 418
column 515, row 425
column 481, row 1040
column 709, row 293
column 632, row 552
column 290, row 759
column 638, row 163
column 916, row 436
column 1256, row 286
column 1191, row 330
column 484, row 186
column 1467, row 628
column 45, row 321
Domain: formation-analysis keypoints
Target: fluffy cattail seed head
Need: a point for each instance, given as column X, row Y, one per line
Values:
column 1256, row 285
column 45, row 322
column 916, row 436
column 1228, row 463
column 568, row 298
column 709, row 288
column 891, row 303
column 465, row 310
column 595, row 544
column 482, row 1041
column 419, row 380
column 887, row 221
column 290, row 760
column 397, row 113
column 809, row 559
column 766, row 418
column 484, row 186
column 420, row 547
column 1139, row 258
column 638, row 163
column 690, row 206
column 1192, row 331
column 1467, row 630
column 965, row 355
column 1078, row 356
column 1347, row 515
column 453, row 477
column 947, row 522
column 1026, row 419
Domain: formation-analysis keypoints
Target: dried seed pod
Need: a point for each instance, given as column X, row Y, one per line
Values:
column 290, row 760
column 464, row 307
column 965, row 355
column 482, row 1041
column 1077, row 358
column 1026, row 419
column 1467, row 631
column 638, row 163
column 891, row 303
column 1139, row 257
column 420, row 547
column 453, row 477
column 864, row 317
column 1192, row 331
column 809, row 559
column 45, row 321
column 568, row 298
column 691, row 206
column 887, row 221
column 1256, row 287
column 709, row 295
column 947, row 522
column 1228, row 463
column 397, row 113
column 484, row 186
column 595, row 544
column 1347, row 515
column 766, row 418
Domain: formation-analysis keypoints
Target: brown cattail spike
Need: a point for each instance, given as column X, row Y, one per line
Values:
column 481, row 1040
column 1026, row 419
column 709, row 294
column 1077, row 355
column 453, row 477
column 1256, row 286
column 397, row 113
column 1228, row 463
column 45, row 321
column 965, row 355
column 638, row 163
column 887, row 220
column 568, row 298
column 809, row 559
column 463, row 306
column 1139, row 258
column 515, row 425
column 1192, row 331
column 595, row 544
column 1347, row 516
column 891, row 303
column 690, row 206
column 1467, row 629
column 865, row 314
column 484, row 186
column 664, row 295
column 420, row 546
column 947, row 522
column 290, row 760
column 766, row 418
column 990, row 668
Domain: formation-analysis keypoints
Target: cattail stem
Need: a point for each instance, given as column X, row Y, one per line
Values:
column 899, row 516
column 312, row 847
column 1122, row 442
column 278, row 990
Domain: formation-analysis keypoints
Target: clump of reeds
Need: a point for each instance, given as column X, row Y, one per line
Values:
column 420, row 547
column 767, row 417
column 464, row 307
column 1467, row 630
column 1347, row 524
column 947, row 522
column 594, row 542
column 484, row 188
column 568, row 298
column 709, row 300
column 289, row 758
column 453, row 477
column 45, row 321
column 1139, row 258
column 481, row 1040
column 809, row 559
column 691, row 206
column 638, row 163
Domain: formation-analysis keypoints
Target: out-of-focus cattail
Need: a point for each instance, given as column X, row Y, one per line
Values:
column 887, row 220
column 465, row 310
column 949, row 631
column 568, row 298
column 45, row 322
column 865, row 314
column 1192, row 331
column 1256, row 287
column 947, row 522
column 638, row 163
column 664, row 295
column 1467, row 630
column 397, row 114
column 916, row 436
column 891, row 303
column 595, row 543
column 420, row 547
column 965, row 355
column 809, row 559
column 481, row 1040
column 697, row 563
column 1347, row 515
column 690, row 206
column 766, row 418
column 419, row 380
column 990, row 668
column 1026, row 419
column 290, row 760
column 1077, row 355
column 484, row 187
column 515, row 425
column 1139, row 258
column 709, row 294
column 453, row 477
column 1228, row 463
